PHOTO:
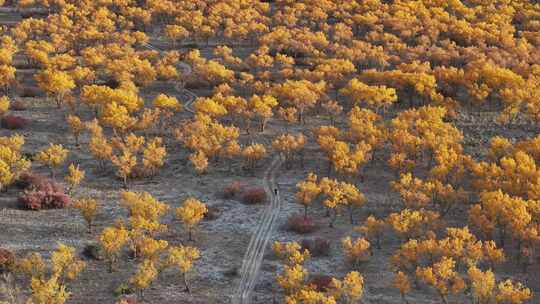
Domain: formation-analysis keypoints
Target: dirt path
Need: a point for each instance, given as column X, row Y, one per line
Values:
column 188, row 96
column 259, row 241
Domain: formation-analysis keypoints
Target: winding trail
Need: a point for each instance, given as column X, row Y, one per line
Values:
column 258, row 243
column 187, row 95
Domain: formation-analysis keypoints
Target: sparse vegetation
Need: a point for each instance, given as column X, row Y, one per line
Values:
column 395, row 143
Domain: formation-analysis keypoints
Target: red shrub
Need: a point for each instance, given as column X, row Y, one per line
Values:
column 34, row 181
column 7, row 258
column 41, row 193
column 17, row 105
column 232, row 190
column 317, row 247
column 29, row 180
column 254, row 196
column 300, row 224
column 37, row 200
column 321, row 283
column 13, row 122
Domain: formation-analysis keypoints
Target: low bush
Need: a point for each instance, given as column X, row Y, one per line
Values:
column 13, row 122
column 34, row 181
column 317, row 247
column 299, row 224
column 41, row 193
column 254, row 196
column 321, row 282
column 37, row 200
column 7, row 258
column 232, row 190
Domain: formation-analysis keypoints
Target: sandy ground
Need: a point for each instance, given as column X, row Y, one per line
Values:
column 222, row 241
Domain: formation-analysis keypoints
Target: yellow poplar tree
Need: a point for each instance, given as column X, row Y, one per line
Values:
column 182, row 258
column 88, row 207
column 56, row 83
column 308, row 191
column 52, row 157
column 191, row 213
column 75, row 176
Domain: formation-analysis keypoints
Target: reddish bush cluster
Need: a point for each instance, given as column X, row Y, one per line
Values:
column 13, row 122
column 317, row 247
column 41, row 193
column 232, row 190
column 37, row 200
column 321, row 283
column 254, row 196
column 7, row 258
column 300, row 224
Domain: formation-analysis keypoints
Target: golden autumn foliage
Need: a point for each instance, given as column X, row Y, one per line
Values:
column 351, row 287
column 443, row 277
column 373, row 229
column 290, row 146
column 4, row 105
column 191, row 213
column 253, row 154
column 12, row 162
column 308, row 191
column 53, row 157
column 56, row 83
column 145, row 212
column 89, row 208
column 76, row 127
column 75, row 176
column 373, row 96
column 48, row 283
column 413, row 223
column 112, row 240
column 405, row 85
column 337, row 194
column 182, row 259
column 402, row 283
column 357, row 251
column 290, row 253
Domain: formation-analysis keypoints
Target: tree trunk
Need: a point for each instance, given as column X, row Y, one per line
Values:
column 502, row 235
column 263, row 125
column 186, row 283
column 333, row 218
